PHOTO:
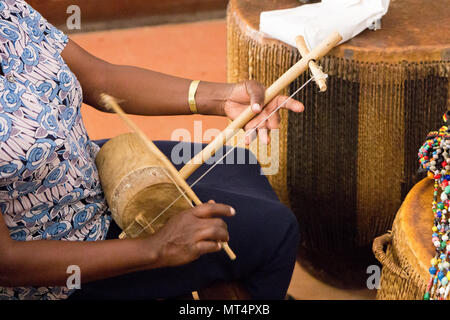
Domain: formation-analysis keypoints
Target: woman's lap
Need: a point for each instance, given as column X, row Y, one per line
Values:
column 263, row 234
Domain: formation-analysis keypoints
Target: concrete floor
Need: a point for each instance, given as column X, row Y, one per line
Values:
column 195, row 51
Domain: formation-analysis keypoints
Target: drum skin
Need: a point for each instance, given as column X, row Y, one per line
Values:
column 348, row 161
column 411, row 231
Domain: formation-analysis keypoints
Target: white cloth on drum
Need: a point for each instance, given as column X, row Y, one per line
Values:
column 316, row 21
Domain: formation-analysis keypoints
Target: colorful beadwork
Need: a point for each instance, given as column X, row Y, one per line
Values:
column 434, row 157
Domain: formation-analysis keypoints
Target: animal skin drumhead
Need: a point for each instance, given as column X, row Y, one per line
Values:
column 151, row 208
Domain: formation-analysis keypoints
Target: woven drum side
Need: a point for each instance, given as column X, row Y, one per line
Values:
column 347, row 162
column 395, row 287
column 248, row 59
column 352, row 153
column 321, row 159
column 410, row 284
column 381, row 136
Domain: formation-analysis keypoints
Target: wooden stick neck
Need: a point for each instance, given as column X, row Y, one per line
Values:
column 285, row 80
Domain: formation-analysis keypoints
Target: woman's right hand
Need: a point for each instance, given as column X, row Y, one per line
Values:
column 191, row 233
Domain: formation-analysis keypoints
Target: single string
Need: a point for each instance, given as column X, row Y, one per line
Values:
column 247, row 134
column 250, row 132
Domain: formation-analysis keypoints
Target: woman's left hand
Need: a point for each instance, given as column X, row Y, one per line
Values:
column 252, row 93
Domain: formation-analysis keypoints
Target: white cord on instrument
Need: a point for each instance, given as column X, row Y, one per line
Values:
column 249, row 133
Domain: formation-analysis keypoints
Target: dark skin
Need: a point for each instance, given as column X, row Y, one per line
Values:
column 185, row 237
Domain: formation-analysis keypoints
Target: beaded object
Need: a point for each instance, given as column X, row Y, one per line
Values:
column 434, row 157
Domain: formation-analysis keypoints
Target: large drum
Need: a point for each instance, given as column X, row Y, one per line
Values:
column 349, row 160
column 409, row 247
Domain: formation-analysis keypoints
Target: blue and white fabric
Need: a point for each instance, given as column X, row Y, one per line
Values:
column 49, row 185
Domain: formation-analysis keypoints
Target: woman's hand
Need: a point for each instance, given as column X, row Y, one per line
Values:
column 192, row 233
column 183, row 239
column 250, row 92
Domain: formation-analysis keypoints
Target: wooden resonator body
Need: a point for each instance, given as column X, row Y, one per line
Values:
column 136, row 187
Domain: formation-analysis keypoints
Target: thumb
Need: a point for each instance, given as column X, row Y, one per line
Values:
column 256, row 92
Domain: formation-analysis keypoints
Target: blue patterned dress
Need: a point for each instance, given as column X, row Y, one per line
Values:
column 49, row 185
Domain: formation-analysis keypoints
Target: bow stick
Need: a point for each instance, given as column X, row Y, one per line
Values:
column 172, row 172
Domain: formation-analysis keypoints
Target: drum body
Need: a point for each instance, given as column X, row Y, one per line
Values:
column 137, row 188
column 409, row 248
column 348, row 161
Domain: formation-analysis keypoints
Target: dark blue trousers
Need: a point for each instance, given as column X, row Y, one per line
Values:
column 263, row 234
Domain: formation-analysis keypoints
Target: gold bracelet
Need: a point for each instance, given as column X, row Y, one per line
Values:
column 192, row 90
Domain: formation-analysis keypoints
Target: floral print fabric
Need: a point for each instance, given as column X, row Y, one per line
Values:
column 49, row 185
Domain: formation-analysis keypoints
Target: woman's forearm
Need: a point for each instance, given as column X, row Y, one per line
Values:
column 146, row 92
column 141, row 91
column 45, row 262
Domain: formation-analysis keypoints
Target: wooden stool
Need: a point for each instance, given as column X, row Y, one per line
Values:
column 347, row 162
